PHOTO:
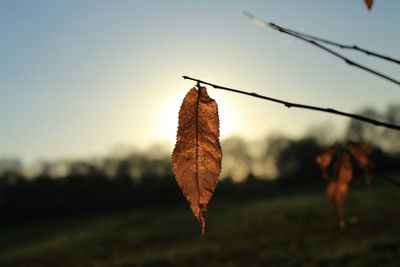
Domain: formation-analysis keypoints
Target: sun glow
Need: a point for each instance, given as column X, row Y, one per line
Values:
column 227, row 121
column 168, row 114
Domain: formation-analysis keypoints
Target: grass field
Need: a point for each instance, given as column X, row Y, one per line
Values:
column 297, row 230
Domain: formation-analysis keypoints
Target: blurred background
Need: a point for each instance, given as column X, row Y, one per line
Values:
column 89, row 100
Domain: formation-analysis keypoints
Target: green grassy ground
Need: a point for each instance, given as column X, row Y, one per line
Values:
column 298, row 230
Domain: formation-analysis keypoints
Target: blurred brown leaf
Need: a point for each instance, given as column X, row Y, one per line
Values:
column 343, row 171
column 324, row 160
column 369, row 3
column 361, row 154
column 196, row 159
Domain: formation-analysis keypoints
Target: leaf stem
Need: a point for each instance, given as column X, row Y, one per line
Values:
column 197, row 160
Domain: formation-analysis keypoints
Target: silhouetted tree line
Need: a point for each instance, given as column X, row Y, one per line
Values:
column 139, row 180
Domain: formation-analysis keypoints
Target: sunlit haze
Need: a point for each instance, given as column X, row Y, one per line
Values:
column 78, row 78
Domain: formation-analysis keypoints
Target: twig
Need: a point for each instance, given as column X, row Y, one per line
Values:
column 314, row 42
column 346, row 46
column 296, row 105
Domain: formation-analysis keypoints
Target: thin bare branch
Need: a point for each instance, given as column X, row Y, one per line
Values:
column 296, row 105
column 314, row 41
column 346, row 46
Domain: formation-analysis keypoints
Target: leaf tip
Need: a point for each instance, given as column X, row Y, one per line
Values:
column 201, row 219
column 369, row 4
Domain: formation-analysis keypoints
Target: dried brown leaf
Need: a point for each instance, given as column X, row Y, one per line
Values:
column 325, row 159
column 369, row 3
column 339, row 185
column 196, row 159
column 361, row 154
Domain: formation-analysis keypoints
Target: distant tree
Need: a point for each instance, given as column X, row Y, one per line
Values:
column 236, row 160
column 295, row 162
column 384, row 138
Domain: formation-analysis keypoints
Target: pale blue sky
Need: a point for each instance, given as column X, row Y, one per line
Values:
column 79, row 77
